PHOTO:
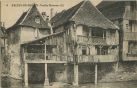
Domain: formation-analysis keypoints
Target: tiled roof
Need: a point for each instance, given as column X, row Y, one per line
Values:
column 112, row 9
column 43, row 38
column 28, row 19
column 83, row 13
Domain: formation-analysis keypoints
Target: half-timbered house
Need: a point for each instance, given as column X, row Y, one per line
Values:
column 123, row 14
column 30, row 26
column 83, row 40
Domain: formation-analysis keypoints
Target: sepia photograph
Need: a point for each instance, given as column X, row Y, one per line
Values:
column 68, row 43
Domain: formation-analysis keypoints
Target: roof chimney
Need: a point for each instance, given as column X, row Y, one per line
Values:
column 49, row 24
column 51, row 12
column 44, row 15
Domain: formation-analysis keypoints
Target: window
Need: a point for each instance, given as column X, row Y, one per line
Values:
column 84, row 50
column 98, row 33
column 36, row 33
column 85, row 31
column 132, row 48
column 37, row 19
column 51, row 49
column 35, row 48
column 132, row 25
column 133, row 6
column 102, row 50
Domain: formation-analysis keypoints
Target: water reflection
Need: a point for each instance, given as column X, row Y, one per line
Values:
column 10, row 83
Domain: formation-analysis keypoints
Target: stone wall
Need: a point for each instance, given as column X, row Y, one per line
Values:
column 15, row 61
column 127, row 71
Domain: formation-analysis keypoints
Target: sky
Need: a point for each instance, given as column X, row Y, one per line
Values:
column 11, row 10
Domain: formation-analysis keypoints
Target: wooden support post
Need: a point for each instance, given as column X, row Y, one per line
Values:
column 103, row 35
column 45, row 51
column 116, row 67
column 26, row 74
column 76, row 80
column 46, row 83
column 100, row 48
column 96, row 73
column 23, row 53
column 66, row 72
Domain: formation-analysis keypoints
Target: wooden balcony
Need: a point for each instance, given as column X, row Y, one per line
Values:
column 106, row 58
column 34, row 56
column 91, row 40
column 96, row 40
column 40, row 58
column 97, row 58
column 50, row 58
column 130, row 36
column 130, row 57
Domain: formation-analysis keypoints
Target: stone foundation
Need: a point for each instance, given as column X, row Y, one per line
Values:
column 127, row 71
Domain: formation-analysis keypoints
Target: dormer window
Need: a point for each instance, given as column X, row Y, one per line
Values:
column 37, row 19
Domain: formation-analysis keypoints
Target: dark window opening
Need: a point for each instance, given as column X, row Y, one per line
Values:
column 102, row 51
column 132, row 25
column 132, row 48
column 84, row 50
column 133, row 6
column 85, row 31
column 37, row 19
column 35, row 49
column 51, row 49
column 98, row 33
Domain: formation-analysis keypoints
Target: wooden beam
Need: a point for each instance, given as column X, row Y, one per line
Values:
column 116, row 66
column 76, row 77
column 26, row 75
column 96, row 73
column 46, row 83
column 44, row 61
column 45, row 51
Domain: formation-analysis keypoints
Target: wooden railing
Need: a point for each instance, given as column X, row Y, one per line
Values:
column 106, row 58
column 130, row 36
column 80, row 59
column 59, row 58
column 85, row 58
column 97, row 58
column 41, row 56
column 34, row 56
column 97, row 40
column 88, row 39
column 129, row 57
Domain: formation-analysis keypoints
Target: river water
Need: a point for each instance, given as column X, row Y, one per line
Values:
column 132, row 84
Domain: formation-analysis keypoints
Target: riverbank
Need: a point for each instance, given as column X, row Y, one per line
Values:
column 6, row 83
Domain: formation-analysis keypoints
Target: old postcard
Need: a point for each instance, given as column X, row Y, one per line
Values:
column 68, row 44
